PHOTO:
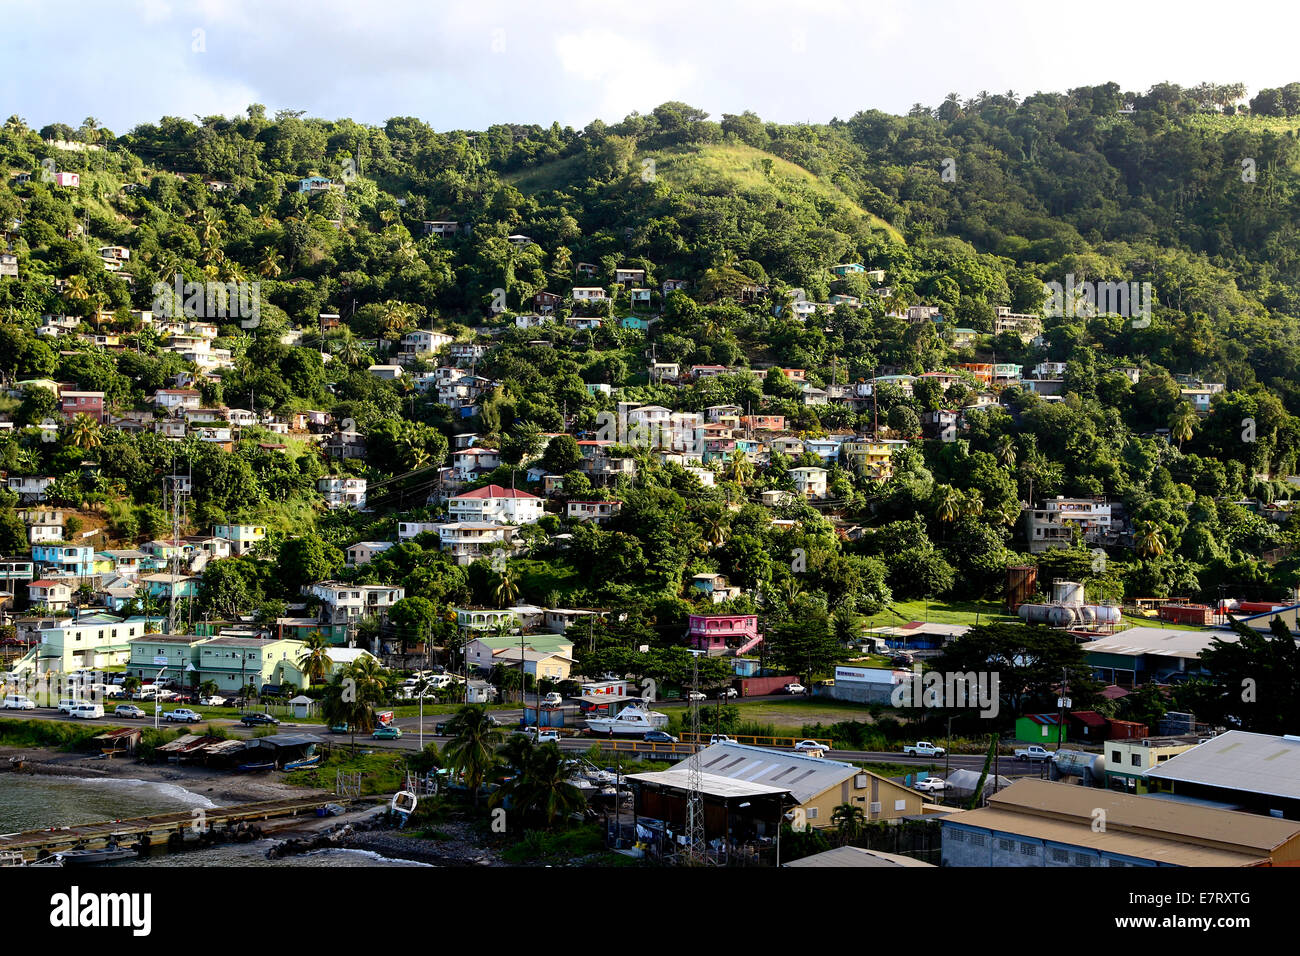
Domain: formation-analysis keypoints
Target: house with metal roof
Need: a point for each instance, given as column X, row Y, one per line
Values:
column 817, row 785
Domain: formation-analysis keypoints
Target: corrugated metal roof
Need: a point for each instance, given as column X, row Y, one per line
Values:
column 805, row 777
column 1076, row 806
column 1067, row 834
column 678, row 778
column 1237, row 760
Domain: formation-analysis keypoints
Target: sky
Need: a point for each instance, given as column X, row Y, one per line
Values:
column 471, row 63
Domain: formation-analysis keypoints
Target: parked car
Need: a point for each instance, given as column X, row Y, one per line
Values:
column 127, row 710
column 554, row 699
column 659, row 737
column 165, row 693
column 728, row 692
column 720, row 739
column 183, row 715
column 795, row 688
column 548, row 736
column 183, row 697
column 811, row 745
column 213, row 701
column 931, row 785
column 901, row 660
column 387, row 733
column 87, row 711
column 923, row 748
column 695, row 695
column 1033, row 753
column 66, row 705
column 18, row 702
column 340, row 728
column 253, row 720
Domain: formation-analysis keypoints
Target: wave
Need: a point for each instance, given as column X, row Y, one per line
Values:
column 134, row 785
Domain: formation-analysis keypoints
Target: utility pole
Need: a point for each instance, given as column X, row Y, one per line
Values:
column 697, row 850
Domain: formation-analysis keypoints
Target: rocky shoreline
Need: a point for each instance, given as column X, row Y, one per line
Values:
column 376, row 834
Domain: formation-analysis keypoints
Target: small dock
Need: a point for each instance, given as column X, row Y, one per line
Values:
column 158, row 828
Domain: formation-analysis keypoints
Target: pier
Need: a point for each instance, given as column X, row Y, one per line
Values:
column 159, row 828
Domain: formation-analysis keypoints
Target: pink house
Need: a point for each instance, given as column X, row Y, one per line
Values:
column 719, row 634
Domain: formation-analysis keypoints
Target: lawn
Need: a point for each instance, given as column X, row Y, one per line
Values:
column 791, row 714
column 941, row 612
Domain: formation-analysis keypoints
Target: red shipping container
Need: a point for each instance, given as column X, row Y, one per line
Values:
column 1125, row 730
column 759, row 686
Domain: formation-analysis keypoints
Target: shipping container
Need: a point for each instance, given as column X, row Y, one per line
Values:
column 1187, row 614
column 760, row 686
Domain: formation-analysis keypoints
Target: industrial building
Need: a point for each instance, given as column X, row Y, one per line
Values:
column 1041, row 823
column 1258, row 773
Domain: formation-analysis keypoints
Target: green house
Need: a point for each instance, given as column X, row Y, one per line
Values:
column 1042, row 729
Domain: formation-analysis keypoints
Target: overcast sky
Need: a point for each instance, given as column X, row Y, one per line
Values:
column 470, row 63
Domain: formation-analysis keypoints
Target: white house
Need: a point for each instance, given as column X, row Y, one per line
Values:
column 809, row 482
column 494, row 503
column 343, row 492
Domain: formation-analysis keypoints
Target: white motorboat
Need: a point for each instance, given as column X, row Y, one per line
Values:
column 632, row 720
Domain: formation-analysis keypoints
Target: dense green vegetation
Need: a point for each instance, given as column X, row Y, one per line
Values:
column 1095, row 183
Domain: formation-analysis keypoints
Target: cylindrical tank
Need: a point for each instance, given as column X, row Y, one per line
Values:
column 1067, row 592
column 1077, row 763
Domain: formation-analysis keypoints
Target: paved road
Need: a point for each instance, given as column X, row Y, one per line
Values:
column 410, row 741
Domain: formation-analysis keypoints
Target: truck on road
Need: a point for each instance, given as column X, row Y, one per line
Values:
column 1033, row 753
column 923, row 748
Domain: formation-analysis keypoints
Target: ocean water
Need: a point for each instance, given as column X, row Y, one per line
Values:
column 29, row 802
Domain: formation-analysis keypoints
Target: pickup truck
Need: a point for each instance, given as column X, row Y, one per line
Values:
column 923, row 748
column 1033, row 752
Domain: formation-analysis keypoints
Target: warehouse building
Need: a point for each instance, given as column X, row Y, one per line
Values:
column 1041, row 823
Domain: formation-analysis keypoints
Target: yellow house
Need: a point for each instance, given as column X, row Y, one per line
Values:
column 1129, row 760
column 871, row 459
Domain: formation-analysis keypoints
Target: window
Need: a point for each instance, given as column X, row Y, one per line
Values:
column 1060, row 856
column 957, row 836
column 1115, row 757
column 1028, row 849
column 1082, row 859
column 1005, row 844
column 812, row 813
column 1136, row 760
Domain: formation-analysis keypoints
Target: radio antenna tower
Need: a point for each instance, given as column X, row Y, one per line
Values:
column 697, row 849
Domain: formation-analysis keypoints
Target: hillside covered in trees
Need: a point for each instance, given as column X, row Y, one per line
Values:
column 968, row 208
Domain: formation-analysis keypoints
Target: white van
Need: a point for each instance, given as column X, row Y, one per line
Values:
column 18, row 702
column 88, row 710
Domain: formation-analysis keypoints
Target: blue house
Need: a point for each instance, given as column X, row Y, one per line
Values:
column 75, row 559
column 848, row 268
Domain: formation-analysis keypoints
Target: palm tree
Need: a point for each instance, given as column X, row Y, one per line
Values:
column 507, row 591
column 315, row 661
column 76, row 289
column 472, row 749
column 947, row 503
column 1182, row 423
column 742, row 469
column 343, row 705
column 1005, row 450
column 1148, row 539
column 849, row 821
column 269, row 265
column 973, row 504
column 85, row 432
column 713, row 523
column 348, row 350
column 541, row 787
column 208, row 688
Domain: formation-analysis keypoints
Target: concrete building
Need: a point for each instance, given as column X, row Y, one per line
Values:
column 1040, row 823
column 1257, row 773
